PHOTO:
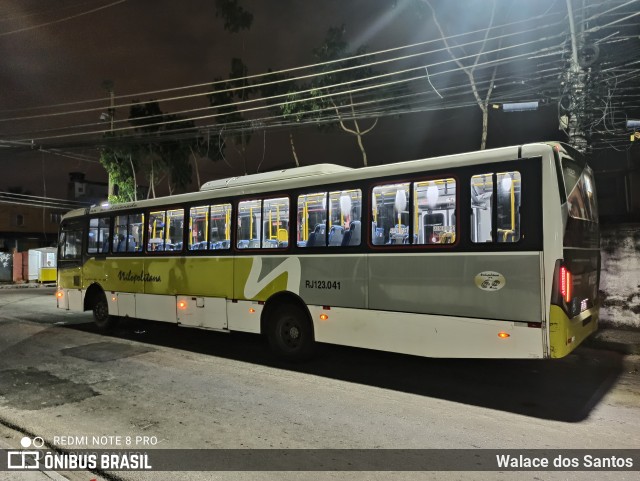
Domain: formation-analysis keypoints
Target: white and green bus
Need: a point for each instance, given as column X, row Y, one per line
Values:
column 489, row 254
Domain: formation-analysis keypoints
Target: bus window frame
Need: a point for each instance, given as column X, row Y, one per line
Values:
column 412, row 180
column 208, row 202
column 90, row 217
column 531, row 218
column 235, row 202
column 218, row 202
column 126, row 213
column 187, row 209
column 147, row 217
column 362, row 185
column 73, row 225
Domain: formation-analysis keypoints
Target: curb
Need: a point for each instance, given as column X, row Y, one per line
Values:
column 27, row 285
column 621, row 347
column 623, row 341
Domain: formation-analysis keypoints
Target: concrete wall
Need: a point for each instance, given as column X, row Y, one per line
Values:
column 6, row 267
column 620, row 277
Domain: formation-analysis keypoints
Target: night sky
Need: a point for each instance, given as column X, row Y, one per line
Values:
column 144, row 46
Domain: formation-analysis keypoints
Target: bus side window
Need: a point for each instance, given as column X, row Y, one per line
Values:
column 312, row 220
column 345, row 209
column 198, row 222
column 98, row 242
column 119, row 234
column 249, row 224
column 390, row 211
column 219, row 227
column 481, row 208
column 507, row 187
column 175, row 230
column 275, row 215
column 157, row 225
column 434, row 212
column 509, row 198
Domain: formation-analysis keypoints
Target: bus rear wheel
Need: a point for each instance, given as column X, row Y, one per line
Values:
column 101, row 316
column 290, row 333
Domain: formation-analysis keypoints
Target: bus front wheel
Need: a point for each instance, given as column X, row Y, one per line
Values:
column 290, row 333
column 101, row 315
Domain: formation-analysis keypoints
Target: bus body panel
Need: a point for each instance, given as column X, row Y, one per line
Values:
column 503, row 286
column 567, row 334
column 427, row 335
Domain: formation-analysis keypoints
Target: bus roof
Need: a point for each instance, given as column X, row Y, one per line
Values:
column 284, row 174
column 308, row 176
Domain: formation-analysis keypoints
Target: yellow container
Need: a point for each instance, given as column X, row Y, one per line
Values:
column 47, row 274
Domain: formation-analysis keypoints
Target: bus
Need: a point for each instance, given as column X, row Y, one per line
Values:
column 488, row 254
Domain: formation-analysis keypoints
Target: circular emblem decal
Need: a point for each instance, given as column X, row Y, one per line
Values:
column 490, row 281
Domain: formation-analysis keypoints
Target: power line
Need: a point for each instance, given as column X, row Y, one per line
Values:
column 32, row 27
column 294, row 79
column 39, row 201
column 554, row 68
column 309, row 90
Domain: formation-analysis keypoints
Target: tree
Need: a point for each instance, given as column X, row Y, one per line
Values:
column 482, row 98
column 235, row 17
column 159, row 147
column 331, row 91
column 119, row 160
column 232, row 123
column 275, row 88
column 163, row 144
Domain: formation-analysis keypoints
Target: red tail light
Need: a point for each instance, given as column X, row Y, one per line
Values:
column 566, row 283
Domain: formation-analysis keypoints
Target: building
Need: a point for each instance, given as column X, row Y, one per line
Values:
column 24, row 227
column 28, row 222
column 86, row 191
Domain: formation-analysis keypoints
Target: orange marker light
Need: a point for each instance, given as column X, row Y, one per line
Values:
column 182, row 305
column 114, row 298
column 252, row 310
column 503, row 335
column 59, row 294
column 323, row 317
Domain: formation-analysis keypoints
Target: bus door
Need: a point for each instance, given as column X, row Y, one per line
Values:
column 70, row 248
column 98, row 241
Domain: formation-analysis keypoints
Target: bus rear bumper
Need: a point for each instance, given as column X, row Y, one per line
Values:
column 566, row 334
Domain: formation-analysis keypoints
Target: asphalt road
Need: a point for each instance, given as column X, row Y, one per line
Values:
column 183, row 388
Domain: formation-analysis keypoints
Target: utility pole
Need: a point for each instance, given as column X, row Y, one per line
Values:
column 576, row 84
column 108, row 85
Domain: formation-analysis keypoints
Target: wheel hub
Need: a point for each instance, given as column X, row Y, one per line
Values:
column 294, row 332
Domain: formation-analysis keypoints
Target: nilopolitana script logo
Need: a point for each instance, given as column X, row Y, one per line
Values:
column 290, row 266
column 141, row 277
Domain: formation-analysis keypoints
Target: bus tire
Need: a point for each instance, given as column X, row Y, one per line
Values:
column 101, row 316
column 290, row 333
